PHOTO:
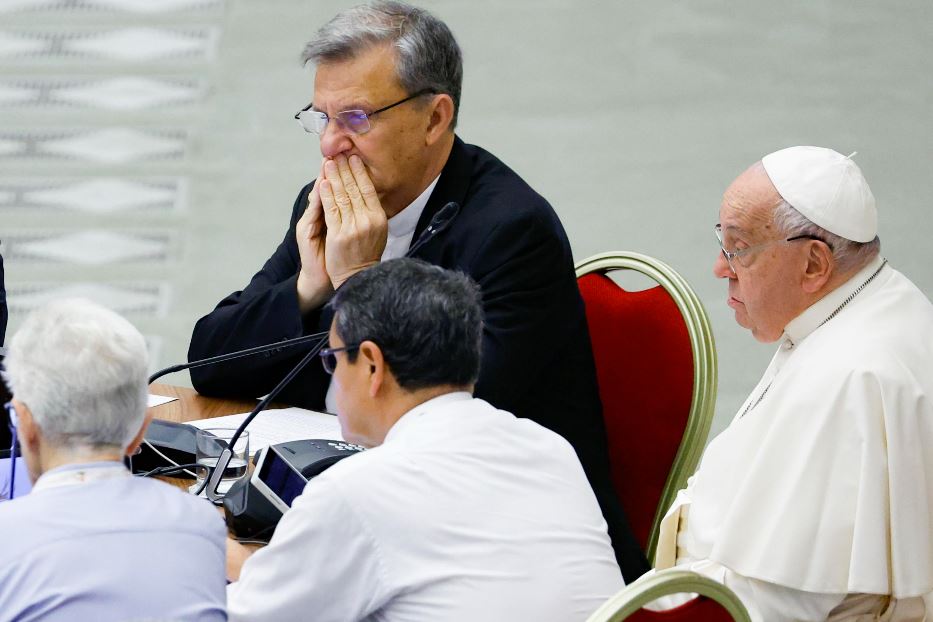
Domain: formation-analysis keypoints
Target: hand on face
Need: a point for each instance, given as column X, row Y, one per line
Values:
column 314, row 285
column 356, row 224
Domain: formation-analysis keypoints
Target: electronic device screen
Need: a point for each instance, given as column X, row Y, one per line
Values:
column 279, row 478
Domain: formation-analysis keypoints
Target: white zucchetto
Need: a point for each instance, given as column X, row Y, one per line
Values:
column 826, row 187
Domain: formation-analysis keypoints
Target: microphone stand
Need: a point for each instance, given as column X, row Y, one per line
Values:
column 220, row 358
column 441, row 221
column 216, row 474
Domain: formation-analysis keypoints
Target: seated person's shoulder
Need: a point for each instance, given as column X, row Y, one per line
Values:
column 174, row 509
column 893, row 358
column 495, row 186
column 360, row 470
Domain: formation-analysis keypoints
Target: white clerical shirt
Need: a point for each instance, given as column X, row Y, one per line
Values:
column 464, row 513
column 816, row 502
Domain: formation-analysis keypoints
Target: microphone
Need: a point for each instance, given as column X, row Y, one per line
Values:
column 174, row 442
column 213, row 480
column 220, row 358
column 438, row 224
column 216, row 472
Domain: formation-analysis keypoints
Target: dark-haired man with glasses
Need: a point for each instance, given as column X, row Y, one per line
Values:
column 385, row 105
column 458, row 511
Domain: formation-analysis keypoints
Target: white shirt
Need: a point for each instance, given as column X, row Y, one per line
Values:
column 91, row 542
column 821, row 489
column 401, row 231
column 402, row 225
column 464, row 513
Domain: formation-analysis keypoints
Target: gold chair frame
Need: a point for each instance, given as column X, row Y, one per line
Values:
column 703, row 401
column 633, row 597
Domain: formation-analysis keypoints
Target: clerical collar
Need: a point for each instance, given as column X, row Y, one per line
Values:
column 405, row 221
column 424, row 408
column 74, row 474
column 826, row 307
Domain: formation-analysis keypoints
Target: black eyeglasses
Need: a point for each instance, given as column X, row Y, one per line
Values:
column 353, row 121
column 329, row 356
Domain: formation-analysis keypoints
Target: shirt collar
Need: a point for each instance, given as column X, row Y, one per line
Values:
column 406, row 420
column 72, row 474
column 404, row 222
column 801, row 326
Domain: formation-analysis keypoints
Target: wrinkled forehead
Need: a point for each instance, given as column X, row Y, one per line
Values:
column 748, row 203
column 367, row 79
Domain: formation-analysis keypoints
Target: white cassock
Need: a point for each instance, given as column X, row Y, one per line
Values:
column 817, row 501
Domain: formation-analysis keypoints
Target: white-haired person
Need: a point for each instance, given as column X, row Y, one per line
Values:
column 815, row 503
column 90, row 541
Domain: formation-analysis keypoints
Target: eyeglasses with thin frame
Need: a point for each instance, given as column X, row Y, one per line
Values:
column 735, row 255
column 354, row 121
column 329, row 356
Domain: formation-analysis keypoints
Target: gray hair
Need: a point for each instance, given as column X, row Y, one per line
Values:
column 848, row 255
column 81, row 369
column 428, row 56
column 427, row 321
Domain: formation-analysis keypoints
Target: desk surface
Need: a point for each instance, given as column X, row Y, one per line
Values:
column 191, row 406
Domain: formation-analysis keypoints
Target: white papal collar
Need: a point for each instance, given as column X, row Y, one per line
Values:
column 801, row 326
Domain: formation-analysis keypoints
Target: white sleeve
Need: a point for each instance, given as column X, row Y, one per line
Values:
column 766, row 602
column 321, row 564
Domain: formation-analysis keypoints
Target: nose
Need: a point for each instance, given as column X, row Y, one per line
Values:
column 721, row 267
column 334, row 139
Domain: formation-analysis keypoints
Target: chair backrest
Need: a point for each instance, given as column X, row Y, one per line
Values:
column 716, row 602
column 656, row 369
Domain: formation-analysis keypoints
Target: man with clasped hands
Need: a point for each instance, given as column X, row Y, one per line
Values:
column 386, row 98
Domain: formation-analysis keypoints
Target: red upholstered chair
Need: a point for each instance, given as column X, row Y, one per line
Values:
column 656, row 368
column 715, row 602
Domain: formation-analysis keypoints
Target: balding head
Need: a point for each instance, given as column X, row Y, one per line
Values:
column 778, row 265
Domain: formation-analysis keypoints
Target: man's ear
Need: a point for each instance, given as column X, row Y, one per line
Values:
column 820, row 268
column 27, row 430
column 371, row 359
column 442, row 115
column 138, row 439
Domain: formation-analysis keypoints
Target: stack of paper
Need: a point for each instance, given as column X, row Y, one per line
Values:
column 278, row 425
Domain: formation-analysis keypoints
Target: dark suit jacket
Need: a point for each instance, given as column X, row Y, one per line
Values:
column 536, row 361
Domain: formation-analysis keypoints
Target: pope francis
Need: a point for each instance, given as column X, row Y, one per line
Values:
column 815, row 503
